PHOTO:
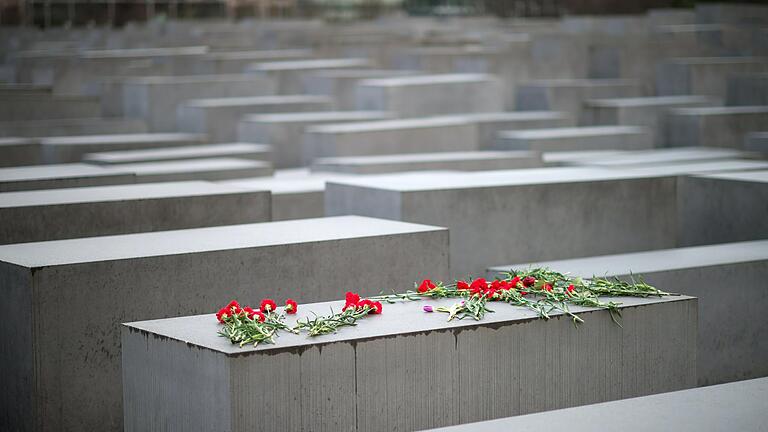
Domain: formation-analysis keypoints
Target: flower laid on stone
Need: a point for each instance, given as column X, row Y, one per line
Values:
column 539, row 289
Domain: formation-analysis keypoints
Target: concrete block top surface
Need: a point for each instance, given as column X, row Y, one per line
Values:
column 363, row 73
column 129, row 246
column 192, row 79
column 751, row 176
column 427, row 157
column 739, row 406
column 568, row 132
column 171, row 153
column 695, row 167
column 487, row 117
column 585, row 82
column 145, row 52
column 397, row 319
column 13, row 141
column 385, row 125
column 60, row 171
column 259, row 54
column 256, row 100
column 114, row 193
column 663, row 156
column 309, row 64
column 427, row 79
column 721, row 110
column 158, row 138
column 319, row 116
column 491, row 179
column 578, row 157
column 717, row 60
column 654, row 261
column 314, row 182
column 649, row 101
column 180, row 166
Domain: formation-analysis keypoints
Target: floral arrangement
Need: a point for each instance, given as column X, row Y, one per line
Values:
column 540, row 290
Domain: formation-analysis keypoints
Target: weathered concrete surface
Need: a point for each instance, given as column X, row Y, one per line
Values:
column 60, row 176
column 422, row 135
column 56, row 214
column 695, row 167
column 747, row 89
column 211, row 169
column 734, row 406
column 20, row 151
column 648, row 112
column 489, row 124
column 723, row 207
column 155, row 99
column 658, row 157
column 426, row 95
column 568, row 95
column 287, row 75
column 400, row 370
column 73, row 126
column 236, row 150
column 341, row 84
column 73, row 148
column 535, row 209
column 44, row 107
column 756, row 141
column 727, row 280
column 576, row 138
column 462, row 161
column 703, row 75
column 218, row 118
column 714, row 126
column 83, row 289
column 285, row 132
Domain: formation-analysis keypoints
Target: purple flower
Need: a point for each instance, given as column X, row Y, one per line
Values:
column 428, row 308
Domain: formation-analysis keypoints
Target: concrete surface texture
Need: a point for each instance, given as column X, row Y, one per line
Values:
column 737, row 406
column 365, row 366
column 172, row 273
column 60, row 176
column 235, row 149
column 71, row 149
column 703, row 271
column 568, row 139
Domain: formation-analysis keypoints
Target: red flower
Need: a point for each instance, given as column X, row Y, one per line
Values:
column 364, row 303
column 222, row 313
column 496, row 284
column 515, row 280
column 233, row 305
column 291, row 306
column 529, row 281
column 259, row 315
column 479, row 283
column 571, row 288
column 489, row 293
column 376, row 308
column 461, row 285
column 268, row 305
column 426, row 285
column 352, row 298
column 523, row 292
column 548, row 287
column 249, row 312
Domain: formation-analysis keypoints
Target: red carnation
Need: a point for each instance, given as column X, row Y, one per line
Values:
column 571, row 288
column 222, row 313
column 479, row 283
column 291, row 306
column 548, row 287
column 233, row 305
column 352, row 298
column 268, row 305
column 426, row 285
column 515, row 280
column 364, row 303
column 496, row 284
column 259, row 315
column 376, row 308
column 489, row 293
column 461, row 285
column 523, row 292
column 249, row 312
column 529, row 281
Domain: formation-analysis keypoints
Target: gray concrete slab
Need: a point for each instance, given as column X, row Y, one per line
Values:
column 427, row 95
column 218, row 118
column 403, row 336
column 489, row 124
column 730, row 343
column 747, row 89
column 576, row 138
column 703, row 75
column 577, row 158
column 657, row 157
column 723, row 207
column 73, row 126
column 285, row 132
column 73, row 148
column 341, row 84
column 460, row 161
column 421, row 135
column 203, row 151
column 695, row 167
column 568, row 95
column 56, row 214
column 35, row 177
column 46, row 107
column 534, row 208
column 714, row 126
column 228, row 62
column 212, row 169
column 171, row 273
column 756, row 141
column 737, row 406
column 649, row 112
column 288, row 75
column 20, row 151
column 155, row 99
